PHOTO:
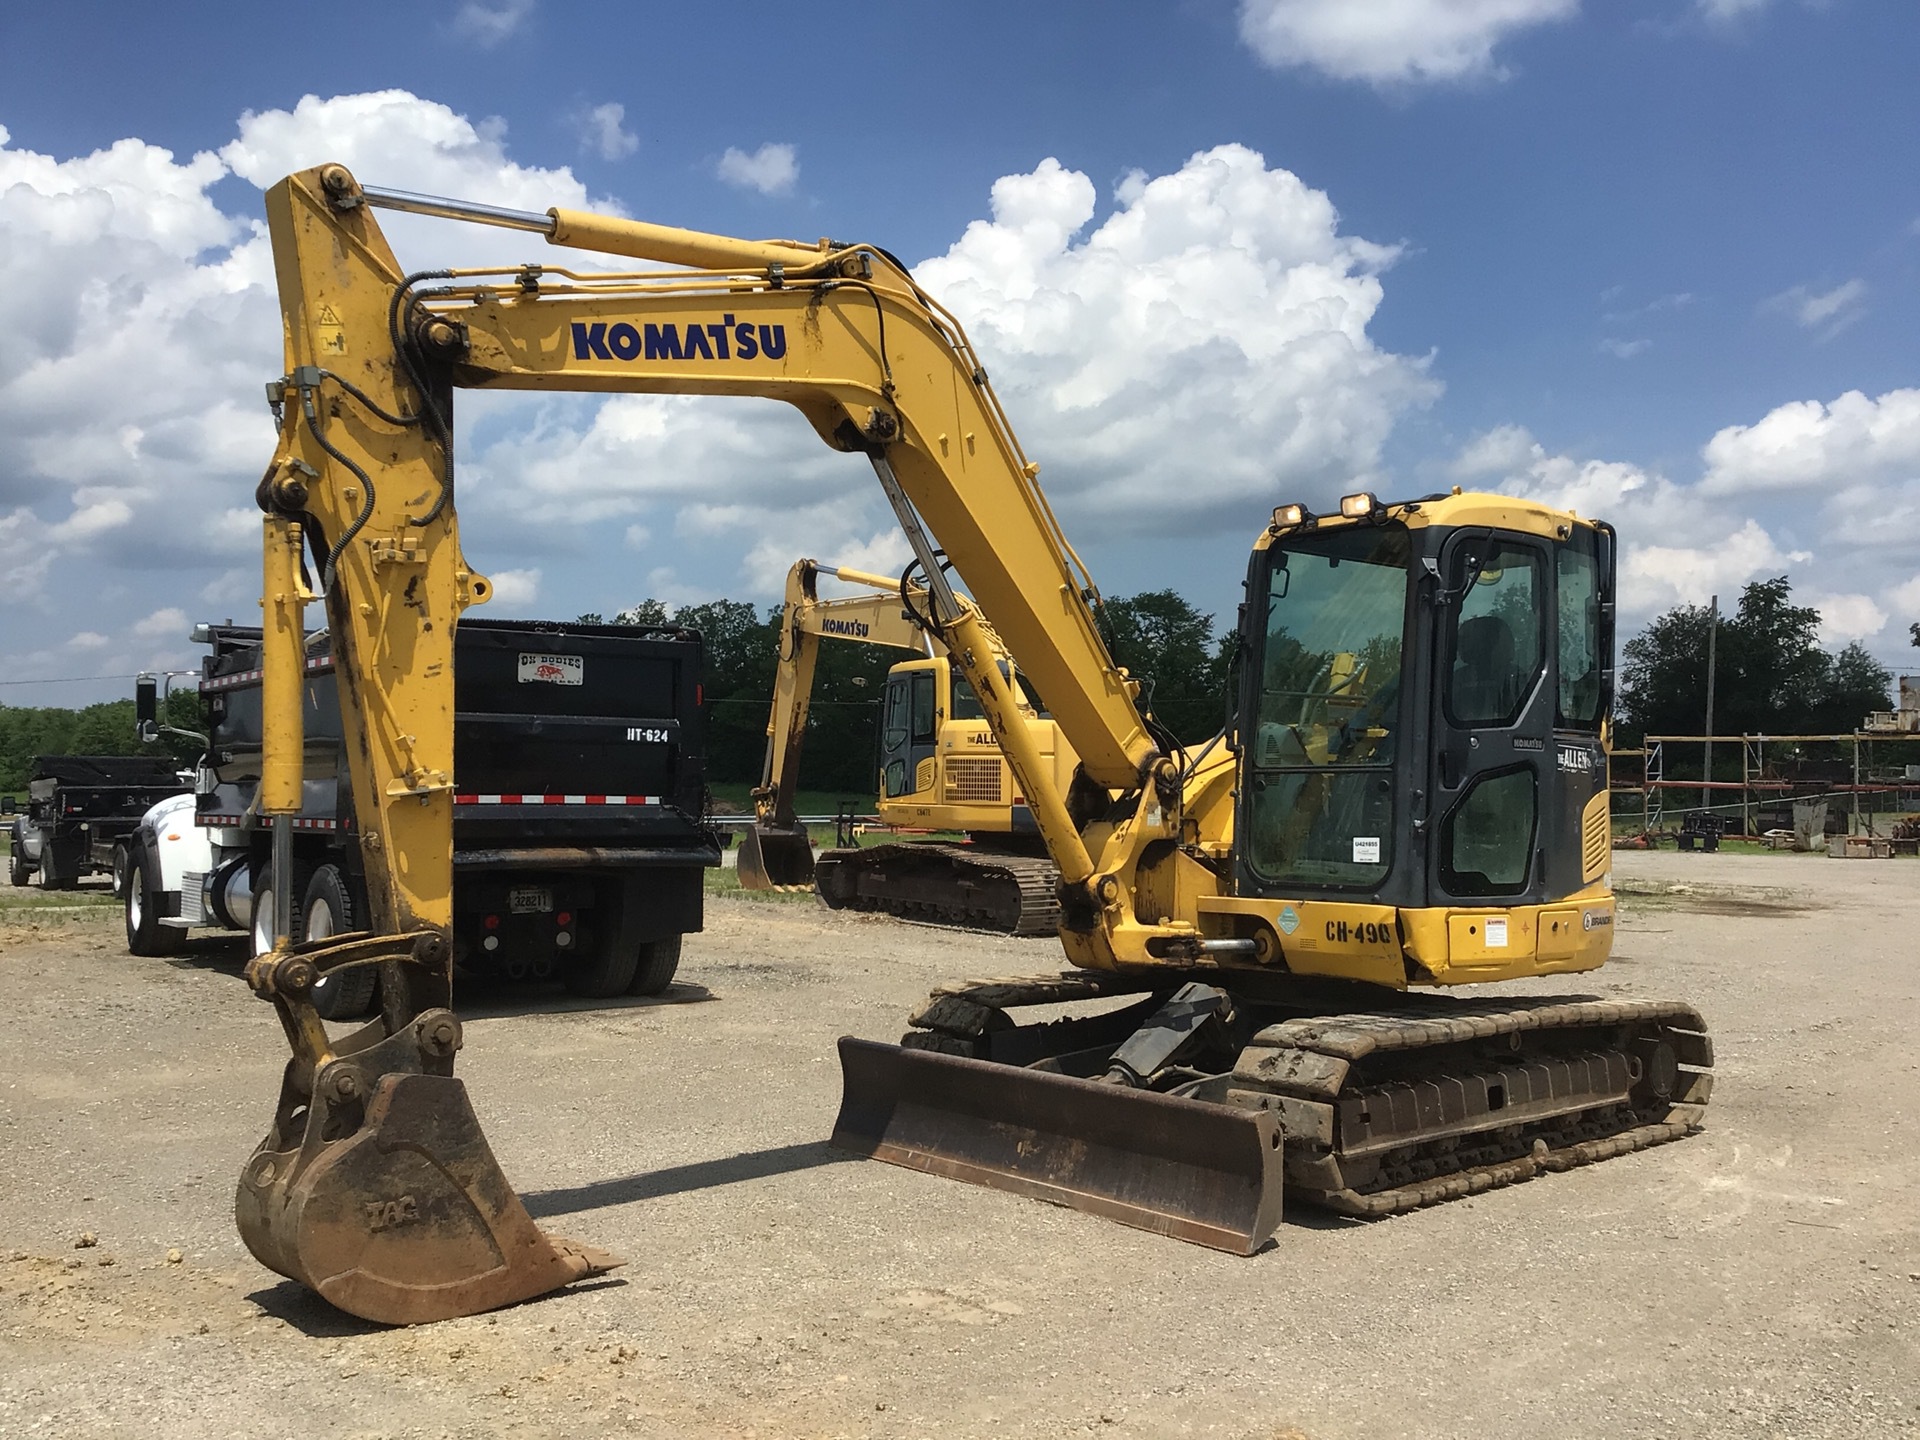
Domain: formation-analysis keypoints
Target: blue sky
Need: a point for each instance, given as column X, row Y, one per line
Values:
column 1659, row 260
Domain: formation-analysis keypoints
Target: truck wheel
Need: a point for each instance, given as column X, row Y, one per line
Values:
column 17, row 871
column 658, row 961
column 122, row 860
column 328, row 910
column 263, row 906
column 609, row 970
column 145, row 934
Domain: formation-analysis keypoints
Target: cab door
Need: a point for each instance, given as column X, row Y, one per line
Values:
column 909, row 726
column 1494, row 761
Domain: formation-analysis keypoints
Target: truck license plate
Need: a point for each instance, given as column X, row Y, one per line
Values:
column 530, row 900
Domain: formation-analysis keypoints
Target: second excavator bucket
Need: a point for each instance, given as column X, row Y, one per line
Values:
column 382, row 1196
column 1195, row 1171
column 773, row 857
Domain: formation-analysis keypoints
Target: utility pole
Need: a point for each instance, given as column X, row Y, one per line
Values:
column 1713, row 636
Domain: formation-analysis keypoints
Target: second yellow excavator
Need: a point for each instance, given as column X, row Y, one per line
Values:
column 940, row 768
column 1412, row 794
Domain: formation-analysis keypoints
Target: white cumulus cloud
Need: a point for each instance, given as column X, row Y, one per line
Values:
column 773, row 169
column 142, row 323
column 1810, row 446
column 1392, row 42
column 1200, row 350
column 603, row 130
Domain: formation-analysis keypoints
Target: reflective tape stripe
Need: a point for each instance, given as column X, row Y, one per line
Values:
column 557, row 800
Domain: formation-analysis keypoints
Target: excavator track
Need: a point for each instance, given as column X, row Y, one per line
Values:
column 963, row 886
column 1429, row 1099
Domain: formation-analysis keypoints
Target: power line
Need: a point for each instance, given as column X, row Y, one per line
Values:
column 72, row 679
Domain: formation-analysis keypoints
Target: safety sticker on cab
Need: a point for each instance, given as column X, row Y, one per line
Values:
column 552, row 670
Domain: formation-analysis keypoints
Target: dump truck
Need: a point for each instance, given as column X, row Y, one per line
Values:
column 579, row 819
column 81, row 812
column 1411, row 795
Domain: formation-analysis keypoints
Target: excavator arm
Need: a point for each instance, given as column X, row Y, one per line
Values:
column 776, row 850
column 375, row 1186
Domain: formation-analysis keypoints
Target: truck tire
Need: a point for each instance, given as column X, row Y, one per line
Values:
column 17, row 871
column 122, row 862
column 263, row 936
column 327, row 910
column 610, row 968
column 146, row 936
column 659, row 960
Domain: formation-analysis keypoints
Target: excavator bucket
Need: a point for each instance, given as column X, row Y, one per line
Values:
column 772, row 857
column 1200, row 1172
column 407, row 1218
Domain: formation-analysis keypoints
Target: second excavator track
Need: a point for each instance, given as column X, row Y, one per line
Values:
column 1426, row 1099
column 959, row 885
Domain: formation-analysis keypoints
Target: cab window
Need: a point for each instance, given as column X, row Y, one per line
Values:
column 1496, row 639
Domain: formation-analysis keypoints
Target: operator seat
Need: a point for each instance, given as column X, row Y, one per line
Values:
column 1485, row 686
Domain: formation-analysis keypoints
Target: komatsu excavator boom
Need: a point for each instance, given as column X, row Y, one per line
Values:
column 1413, row 793
column 940, row 769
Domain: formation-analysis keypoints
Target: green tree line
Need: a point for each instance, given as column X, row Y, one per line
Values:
column 1771, row 675
column 103, row 729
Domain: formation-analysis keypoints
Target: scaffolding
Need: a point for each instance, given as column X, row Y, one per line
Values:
column 1645, row 775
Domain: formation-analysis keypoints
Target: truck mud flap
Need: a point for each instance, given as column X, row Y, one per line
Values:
column 1195, row 1171
column 772, row 859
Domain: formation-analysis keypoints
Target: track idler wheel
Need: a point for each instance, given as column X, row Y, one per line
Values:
column 377, row 1190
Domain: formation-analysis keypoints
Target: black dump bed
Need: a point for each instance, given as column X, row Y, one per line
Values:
column 577, row 732
column 107, row 771
column 97, row 788
column 564, row 734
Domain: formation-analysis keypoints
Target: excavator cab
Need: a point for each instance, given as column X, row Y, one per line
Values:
column 1424, row 711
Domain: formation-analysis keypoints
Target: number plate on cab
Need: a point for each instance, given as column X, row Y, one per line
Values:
column 530, row 900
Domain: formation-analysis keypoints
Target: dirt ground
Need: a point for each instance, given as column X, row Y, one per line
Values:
column 1759, row 1279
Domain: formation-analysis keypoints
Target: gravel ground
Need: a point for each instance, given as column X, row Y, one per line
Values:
column 1760, row 1279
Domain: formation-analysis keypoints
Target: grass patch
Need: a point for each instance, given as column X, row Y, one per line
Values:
column 727, row 883
column 805, row 802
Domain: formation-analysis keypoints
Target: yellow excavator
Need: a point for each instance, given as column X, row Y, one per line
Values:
column 1412, row 796
column 940, row 769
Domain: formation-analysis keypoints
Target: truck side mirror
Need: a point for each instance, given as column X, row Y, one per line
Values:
column 146, row 706
column 7, row 805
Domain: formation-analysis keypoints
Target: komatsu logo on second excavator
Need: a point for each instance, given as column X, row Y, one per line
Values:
column 722, row 340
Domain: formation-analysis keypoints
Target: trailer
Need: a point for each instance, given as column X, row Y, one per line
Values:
column 81, row 811
column 579, row 825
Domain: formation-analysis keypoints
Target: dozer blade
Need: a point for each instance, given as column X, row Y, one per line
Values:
column 1184, row 1168
column 772, row 858
column 407, row 1219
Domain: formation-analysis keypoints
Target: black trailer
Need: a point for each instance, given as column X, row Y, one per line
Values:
column 80, row 811
column 579, row 821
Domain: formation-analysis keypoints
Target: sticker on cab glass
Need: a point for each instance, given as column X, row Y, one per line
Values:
column 1366, row 849
column 552, row 670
